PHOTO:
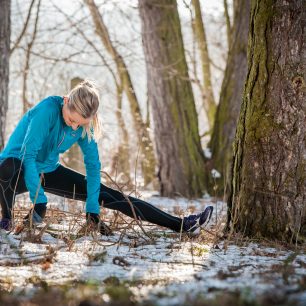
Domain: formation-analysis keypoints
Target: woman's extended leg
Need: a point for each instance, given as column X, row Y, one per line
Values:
column 71, row 184
column 114, row 199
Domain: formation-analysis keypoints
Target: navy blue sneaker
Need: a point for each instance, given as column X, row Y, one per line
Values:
column 193, row 223
column 6, row 224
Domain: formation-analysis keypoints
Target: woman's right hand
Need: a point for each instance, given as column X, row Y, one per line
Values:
column 94, row 222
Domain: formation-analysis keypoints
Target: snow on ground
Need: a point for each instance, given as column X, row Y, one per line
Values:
column 170, row 266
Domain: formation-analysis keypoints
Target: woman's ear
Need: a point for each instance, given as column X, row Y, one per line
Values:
column 66, row 99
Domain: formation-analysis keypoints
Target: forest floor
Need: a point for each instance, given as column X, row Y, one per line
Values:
column 149, row 266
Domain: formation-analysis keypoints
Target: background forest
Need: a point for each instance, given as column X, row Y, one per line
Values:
column 55, row 43
column 202, row 102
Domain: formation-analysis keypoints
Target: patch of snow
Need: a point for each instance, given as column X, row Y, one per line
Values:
column 181, row 268
column 215, row 173
column 207, row 153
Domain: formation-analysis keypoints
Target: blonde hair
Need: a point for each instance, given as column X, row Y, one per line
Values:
column 84, row 99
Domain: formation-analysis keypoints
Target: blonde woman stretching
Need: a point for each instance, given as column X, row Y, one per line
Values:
column 30, row 162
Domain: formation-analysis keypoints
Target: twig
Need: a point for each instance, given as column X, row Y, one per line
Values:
column 130, row 203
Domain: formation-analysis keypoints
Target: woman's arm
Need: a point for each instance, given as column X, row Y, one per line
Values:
column 93, row 167
column 40, row 121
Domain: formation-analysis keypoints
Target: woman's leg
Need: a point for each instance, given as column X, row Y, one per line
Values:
column 114, row 199
column 71, row 184
column 11, row 183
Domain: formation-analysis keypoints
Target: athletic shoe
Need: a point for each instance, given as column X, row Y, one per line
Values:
column 37, row 215
column 193, row 223
column 6, row 224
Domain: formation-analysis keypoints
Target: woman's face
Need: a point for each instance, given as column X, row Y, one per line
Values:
column 73, row 119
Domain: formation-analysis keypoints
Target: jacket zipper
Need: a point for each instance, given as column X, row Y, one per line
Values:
column 62, row 140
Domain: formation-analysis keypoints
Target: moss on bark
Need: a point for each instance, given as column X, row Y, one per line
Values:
column 180, row 156
column 268, row 188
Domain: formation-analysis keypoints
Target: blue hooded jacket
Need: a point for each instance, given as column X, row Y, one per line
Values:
column 40, row 136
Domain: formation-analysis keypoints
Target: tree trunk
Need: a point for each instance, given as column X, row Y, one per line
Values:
column 179, row 151
column 5, row 34
column 73, row 158
column 223, row 134
column 228, row 24
column 209, row 100
column 147, row 157
column 120, row 166
column 26, row 104
column 269, row 170
column 25, row 26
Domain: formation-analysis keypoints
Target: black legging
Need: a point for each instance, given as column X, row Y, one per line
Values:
column 71, row 184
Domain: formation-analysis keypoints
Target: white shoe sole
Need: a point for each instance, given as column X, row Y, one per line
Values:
column 198, row 227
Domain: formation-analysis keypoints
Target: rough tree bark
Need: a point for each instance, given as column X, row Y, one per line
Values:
column 179, row 151
column 147, row 158
column 268, row 188
column 200, row 34
column 223, row 134
column 5, row 34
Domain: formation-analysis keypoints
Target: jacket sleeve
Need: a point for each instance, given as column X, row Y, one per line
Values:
column 93, row 167
column 40, row 120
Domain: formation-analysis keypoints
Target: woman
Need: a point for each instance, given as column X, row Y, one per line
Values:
column 30, row 162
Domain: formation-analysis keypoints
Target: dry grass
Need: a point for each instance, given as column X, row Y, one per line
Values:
column 114, row 292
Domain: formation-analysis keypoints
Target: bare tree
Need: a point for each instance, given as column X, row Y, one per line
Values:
column 228, row 24
column 199, row 28
column 72, row 25
column 179, row 152
column 269, row 184
column 25, row 26
column 146, row 147
column 120, row 167
column 5, row 34
column 26, row 103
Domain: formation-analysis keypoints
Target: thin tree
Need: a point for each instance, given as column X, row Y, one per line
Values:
column 24, row 29
column 120, row 165
column 228, row 24
column 26, row 70
column 5, row 34
column 147, row 159
column 199, row 28
column 120, row 160
column 179, row 151
column 269, row 183
column 223, row 133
